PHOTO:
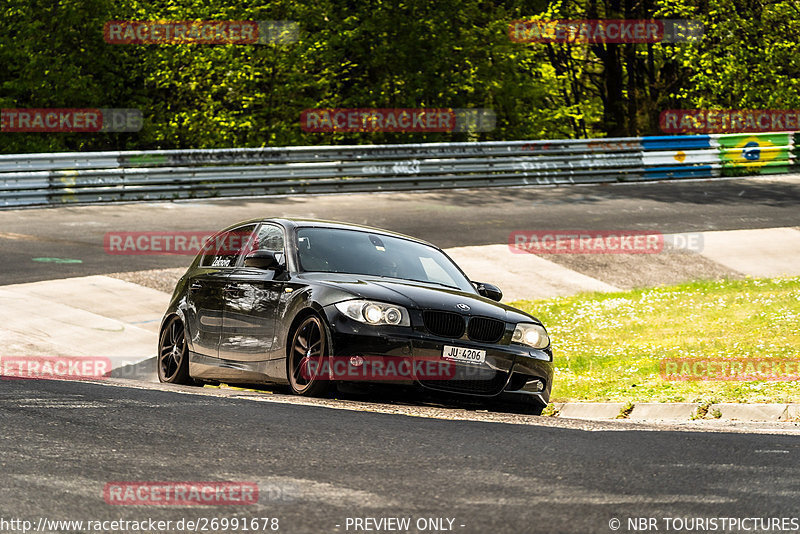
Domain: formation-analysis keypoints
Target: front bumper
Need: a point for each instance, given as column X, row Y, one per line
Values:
column 509, row 373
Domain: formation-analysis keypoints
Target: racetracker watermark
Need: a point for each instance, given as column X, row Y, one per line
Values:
column 200, row 32
column 180, row 493
column 605, row 31
column 377, row 368
column 398, row 120
column 736, row 369
column 176, row 243
column 601, row 242
column 699, row 121
column 54, row 367
column 80, row 120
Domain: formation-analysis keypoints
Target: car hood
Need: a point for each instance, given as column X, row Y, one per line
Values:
column 420, row 295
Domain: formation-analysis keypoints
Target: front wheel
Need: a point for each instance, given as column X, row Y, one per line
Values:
column 173, row 354
column 307, row 353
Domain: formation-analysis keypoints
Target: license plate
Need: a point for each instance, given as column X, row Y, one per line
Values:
column 462, row 354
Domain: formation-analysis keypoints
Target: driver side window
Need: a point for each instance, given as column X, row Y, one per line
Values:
column 223, row 249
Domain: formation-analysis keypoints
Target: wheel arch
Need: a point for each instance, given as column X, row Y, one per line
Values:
column 311, row 309
column 176, row 312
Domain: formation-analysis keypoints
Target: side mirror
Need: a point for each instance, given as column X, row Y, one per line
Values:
column 489, row 291
column 264, row 259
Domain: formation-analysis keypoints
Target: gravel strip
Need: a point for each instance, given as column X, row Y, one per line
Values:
column 159, row 279
column 629, row 271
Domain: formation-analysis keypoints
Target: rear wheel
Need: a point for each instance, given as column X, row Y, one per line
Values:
column 173, row 354
column 307, row 353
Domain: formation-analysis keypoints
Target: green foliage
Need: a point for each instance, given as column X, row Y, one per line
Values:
column 377, row 53
column 749, row 59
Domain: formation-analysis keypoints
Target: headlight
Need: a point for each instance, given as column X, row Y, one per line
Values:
column 531, row 334
column 375, row 313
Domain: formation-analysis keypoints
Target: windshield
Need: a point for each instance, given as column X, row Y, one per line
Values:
column 333, row 250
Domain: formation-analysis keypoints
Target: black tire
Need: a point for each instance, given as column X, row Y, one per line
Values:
column 173, row 354
column 309, row 343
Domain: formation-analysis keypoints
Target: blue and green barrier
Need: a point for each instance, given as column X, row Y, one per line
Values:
column 706, row 156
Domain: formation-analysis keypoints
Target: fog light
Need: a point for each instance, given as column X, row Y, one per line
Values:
column 535, row 385
column 356, row 361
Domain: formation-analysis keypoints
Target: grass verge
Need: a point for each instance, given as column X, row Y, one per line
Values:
column 609, row 346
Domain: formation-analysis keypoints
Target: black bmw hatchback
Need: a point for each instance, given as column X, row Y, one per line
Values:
column 311, row 304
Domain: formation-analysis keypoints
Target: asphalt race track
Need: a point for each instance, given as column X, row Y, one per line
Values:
column 316, row 467
column 445, row 218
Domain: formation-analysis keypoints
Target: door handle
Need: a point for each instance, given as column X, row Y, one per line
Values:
column 195, row 285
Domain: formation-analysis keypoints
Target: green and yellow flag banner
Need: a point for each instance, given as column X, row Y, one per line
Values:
column 755, row 153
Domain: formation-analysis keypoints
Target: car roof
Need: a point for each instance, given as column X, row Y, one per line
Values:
column 296, row 222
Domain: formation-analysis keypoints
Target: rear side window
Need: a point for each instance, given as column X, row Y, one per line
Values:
column 224, row 248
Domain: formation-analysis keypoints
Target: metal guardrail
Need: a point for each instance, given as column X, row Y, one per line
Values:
column 61, row 178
